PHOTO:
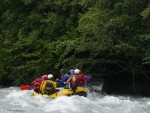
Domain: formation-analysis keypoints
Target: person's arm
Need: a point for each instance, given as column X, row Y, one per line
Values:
column 62, row 79
column 68, row 80
column 65, row 77
column 33, row 82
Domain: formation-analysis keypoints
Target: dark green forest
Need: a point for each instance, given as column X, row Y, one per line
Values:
column 110, row 37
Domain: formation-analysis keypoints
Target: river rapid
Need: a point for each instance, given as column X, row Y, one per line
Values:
column 13, row 100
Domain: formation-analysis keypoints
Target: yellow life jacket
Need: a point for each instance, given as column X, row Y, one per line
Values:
column 43, row 85
column 52, row 82
column 73, row 78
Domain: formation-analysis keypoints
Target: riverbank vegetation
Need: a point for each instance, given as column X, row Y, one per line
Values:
column 110, row 37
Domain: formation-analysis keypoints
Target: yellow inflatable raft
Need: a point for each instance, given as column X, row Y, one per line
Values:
column 81, row 91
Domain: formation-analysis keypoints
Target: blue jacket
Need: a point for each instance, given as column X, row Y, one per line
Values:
column 64, row 78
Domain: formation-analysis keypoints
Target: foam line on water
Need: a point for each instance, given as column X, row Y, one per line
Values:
column 12, row 99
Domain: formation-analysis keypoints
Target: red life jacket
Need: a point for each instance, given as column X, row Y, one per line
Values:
column 80, row 80
column 36, row 83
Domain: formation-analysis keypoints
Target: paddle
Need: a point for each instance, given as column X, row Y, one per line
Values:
column 25, row 87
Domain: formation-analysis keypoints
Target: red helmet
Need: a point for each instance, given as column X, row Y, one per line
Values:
column 45, row 77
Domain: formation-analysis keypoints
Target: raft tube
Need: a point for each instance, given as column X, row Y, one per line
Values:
column 81, row 91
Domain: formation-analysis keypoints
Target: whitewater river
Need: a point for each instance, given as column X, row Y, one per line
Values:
column 12, row 100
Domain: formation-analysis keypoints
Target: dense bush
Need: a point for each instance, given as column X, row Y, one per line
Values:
column 99, row 36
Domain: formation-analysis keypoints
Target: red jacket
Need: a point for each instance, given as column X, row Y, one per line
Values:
column 36, row 83
column 80, row 80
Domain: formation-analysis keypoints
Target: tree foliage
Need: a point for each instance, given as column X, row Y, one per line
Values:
column 98, row 36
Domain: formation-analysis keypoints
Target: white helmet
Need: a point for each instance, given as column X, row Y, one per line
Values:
column 50, row 76
column 76, row 71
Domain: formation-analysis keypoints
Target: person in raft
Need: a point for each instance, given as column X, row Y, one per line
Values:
column 64, row 78
column 72, row 81
column 80, row 80
column 48, row 86
column 36, row 84
column 70, row 77
column 77, row 79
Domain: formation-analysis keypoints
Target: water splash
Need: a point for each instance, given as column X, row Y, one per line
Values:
column 13, row 100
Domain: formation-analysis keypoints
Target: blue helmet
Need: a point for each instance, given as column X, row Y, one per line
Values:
column 72, row 70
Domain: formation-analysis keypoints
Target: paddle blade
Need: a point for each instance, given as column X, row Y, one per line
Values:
column 25, row 87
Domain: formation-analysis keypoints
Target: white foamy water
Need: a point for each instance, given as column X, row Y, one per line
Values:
column 12, row 100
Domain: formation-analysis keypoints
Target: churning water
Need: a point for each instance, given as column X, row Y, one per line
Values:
column 12, row 100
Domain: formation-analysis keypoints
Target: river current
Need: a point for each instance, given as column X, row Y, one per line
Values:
column 13, row 100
